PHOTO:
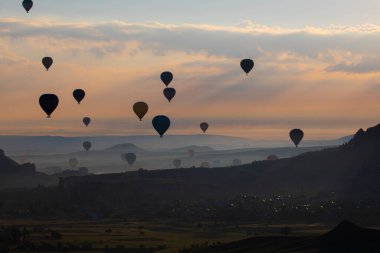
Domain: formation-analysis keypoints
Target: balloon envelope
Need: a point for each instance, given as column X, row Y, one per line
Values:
column 166, row 77
column 47, row 62
column 169, row 93
column 296, row 135
column 79, row 95
column 48, row 103
column 86, row 121
column 27, row 4
column 140, row 109
column 87, row 145
column 73, row 162
column 130, row 158
column 204, row 126
column 161, row 124
column 247, row 65
column 177, row 163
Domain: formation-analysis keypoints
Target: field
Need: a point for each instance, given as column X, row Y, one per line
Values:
column 152, row 236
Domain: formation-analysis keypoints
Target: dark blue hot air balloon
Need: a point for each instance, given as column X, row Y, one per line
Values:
column 47, row 62
column 247, row 65
column 166, row 77
column 177, row 163
column 87, row 145
column 27, row 4
column 86, row 121
column 130, row 158
column 48, row 103
column 79, row 95
column 161, row 124
column 296, row 135
column 169, row 93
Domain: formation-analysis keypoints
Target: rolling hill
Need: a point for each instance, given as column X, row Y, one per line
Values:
column 344, row 238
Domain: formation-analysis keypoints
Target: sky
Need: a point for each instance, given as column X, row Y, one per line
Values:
column 317, row 66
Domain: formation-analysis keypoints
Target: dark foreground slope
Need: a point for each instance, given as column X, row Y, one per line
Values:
column 345, row 238
column 14, row 175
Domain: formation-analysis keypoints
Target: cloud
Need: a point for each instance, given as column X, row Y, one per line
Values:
column 367, row 64
column 246, row 39
column 298, row 75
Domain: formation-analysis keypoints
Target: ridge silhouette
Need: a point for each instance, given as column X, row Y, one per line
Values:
column 346, row 237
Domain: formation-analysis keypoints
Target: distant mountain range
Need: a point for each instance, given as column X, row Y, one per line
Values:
column 350, row 169
column 340, row 169
column 127, row 147
column 45, row 145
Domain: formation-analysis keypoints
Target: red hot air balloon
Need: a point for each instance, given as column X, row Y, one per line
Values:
column 140, row 109
column 204, row 126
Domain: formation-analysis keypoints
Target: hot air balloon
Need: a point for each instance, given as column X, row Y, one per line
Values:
column 86, row 121
column 166, row 77
column 272, row 158
column 87, row 145
column 247, row 65
column 27, row 4
column 47, row 62
column 177, row 163
column 204, row 126
column 49, row 103
column 191, row 152
column 236, row 162
column 205, row 165
column 296, row 135
column 73, row 162
column 169, row 93
column 161, row 124
column 79, row 95
column 130, row 158
column 140, row 109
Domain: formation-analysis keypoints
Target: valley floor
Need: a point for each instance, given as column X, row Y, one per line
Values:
column 142, row 236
